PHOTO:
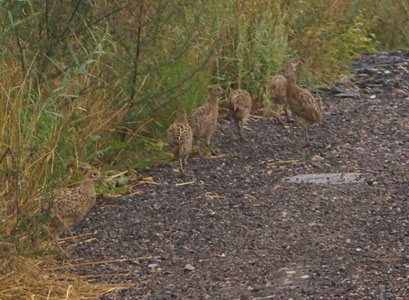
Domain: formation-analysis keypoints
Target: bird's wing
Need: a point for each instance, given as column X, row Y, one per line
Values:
column 302, row 103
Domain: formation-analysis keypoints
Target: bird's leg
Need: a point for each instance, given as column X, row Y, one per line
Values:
column 181, row 166
column 286, row 113
column 185, row 161
column 196, row 144
column 59, row 229
column 71, row 234
column 238, row 124
column 307, row 140
column 207, row 143
column 241, row 131
column 279, row 114
column 57, row 237
column 198, row 149
column 63, row 252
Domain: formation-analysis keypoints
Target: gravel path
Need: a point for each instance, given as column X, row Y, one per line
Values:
column 237, row 229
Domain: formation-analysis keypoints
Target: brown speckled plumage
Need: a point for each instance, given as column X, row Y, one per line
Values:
column 302, row 104
column 179, row 137
column 203, row 120
column 278, row 89
column 240, row 103
column 70, row 205
column 278, row 94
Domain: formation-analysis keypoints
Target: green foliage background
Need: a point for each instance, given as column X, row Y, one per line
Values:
column 98, row 81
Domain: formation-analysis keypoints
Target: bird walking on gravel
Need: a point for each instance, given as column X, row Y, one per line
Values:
column 278, row 90
column 203, row 120
column 179, row 137
column 240, row 103
column 302, row 104
column 278, row 95
column 70, row 205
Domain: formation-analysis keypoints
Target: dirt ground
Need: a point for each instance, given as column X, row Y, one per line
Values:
column 236, row 228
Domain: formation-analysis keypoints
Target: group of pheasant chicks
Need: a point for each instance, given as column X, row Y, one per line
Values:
column 202, row 122
column 71, row 204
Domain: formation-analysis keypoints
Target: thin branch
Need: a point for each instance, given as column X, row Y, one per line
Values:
column 74, row 12
column 23, row 65
column 137, row 53
column 47, row 30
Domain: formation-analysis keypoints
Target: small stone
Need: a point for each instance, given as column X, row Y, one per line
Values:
column 189, row 267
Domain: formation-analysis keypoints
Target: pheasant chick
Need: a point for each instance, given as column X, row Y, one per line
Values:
column 302, row 104
column 70, row 205
column 203, row 120
column 240, row 103
column 278, row 95
column 179, row 137
column 278, row 89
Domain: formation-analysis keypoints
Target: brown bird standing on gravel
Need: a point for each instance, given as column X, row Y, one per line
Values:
column 203, row 119
column 302, row 104
column 278, row 90
column 179, row 137
column 70, row 205
column 240, row 103
column 278, row 94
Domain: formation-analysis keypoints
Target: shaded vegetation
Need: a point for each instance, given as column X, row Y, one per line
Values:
column 98, row 82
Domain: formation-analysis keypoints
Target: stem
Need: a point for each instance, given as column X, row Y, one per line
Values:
column 137, row 54
column 23, row 65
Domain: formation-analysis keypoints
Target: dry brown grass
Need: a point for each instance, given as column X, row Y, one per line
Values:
column 32, row 278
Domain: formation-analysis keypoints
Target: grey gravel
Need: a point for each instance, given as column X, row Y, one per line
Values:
column 247, row 234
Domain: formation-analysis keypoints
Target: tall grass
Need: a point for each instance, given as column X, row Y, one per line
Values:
column 49, row 133
column 387, row 21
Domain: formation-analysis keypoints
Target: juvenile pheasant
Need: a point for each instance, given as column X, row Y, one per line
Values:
column 179, row 137
column 70, row 205
column 278, row 90
column 302, row 104
column 203, row 119
column 278, row 94
column 240, row 103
